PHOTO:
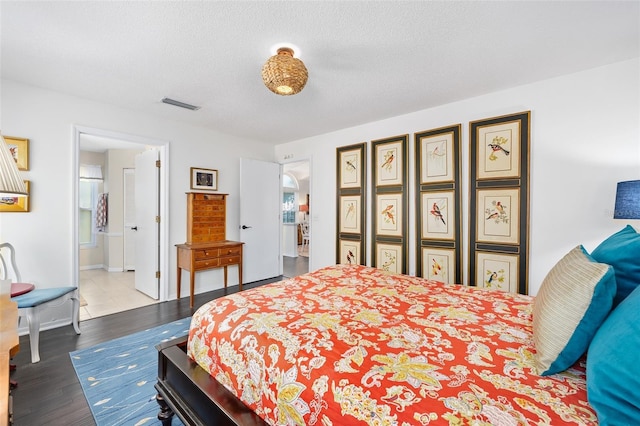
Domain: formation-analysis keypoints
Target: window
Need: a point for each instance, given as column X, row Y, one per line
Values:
column 289, row 181
column 87, row 200
column 289, row 198
column 289, row 207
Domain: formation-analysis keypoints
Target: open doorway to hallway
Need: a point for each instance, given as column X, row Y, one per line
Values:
column 108, row 273
column 296, row 229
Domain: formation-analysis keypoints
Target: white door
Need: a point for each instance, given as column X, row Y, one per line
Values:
column 147, row 181
column 129, row 179
column 260, row 219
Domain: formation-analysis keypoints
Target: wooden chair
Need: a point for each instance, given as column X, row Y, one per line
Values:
column 304, row 229
column 31, row 303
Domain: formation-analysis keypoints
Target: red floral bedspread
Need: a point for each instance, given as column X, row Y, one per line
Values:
column 349, row 345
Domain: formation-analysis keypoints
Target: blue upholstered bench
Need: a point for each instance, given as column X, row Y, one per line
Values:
column 30, row 304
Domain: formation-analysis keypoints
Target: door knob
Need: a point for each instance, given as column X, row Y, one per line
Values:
column 134, row 228
column 245, row 227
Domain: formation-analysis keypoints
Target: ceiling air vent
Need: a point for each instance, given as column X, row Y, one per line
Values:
column 180, row 104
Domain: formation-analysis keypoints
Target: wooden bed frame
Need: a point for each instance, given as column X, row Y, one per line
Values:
column 188, row 391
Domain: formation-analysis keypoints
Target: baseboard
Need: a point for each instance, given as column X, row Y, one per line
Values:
column 23, row 330
column 89, row 267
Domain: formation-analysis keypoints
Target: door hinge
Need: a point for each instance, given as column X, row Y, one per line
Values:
column 158, row 163
column 157, row 219
column 158, row 274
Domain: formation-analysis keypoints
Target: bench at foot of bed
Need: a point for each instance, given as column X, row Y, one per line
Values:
column 188, row 391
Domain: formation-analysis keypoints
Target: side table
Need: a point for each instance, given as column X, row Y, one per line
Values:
column 204, row 256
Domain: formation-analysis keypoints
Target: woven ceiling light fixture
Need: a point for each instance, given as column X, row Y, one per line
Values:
column 283, row 74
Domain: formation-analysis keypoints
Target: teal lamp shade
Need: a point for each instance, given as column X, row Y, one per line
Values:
column 627, row 200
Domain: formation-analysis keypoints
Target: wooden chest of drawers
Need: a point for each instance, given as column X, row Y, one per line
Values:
column 213, row 257
column 206, row 217
column 207, row 246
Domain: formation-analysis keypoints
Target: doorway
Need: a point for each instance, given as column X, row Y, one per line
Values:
column 296, row 223
column 104, row 267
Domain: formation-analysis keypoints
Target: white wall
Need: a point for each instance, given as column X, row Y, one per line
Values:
column 44, row 237
column 585, row 137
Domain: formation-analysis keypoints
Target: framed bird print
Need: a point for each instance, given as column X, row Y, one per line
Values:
column 497, row 271
column 439, row 264
column 350, row 217
column 349, row 252
column 389, row 161
column 498, row 215
column 498, row 147
column 389, row 219
column 390, row 257
column 350, row 167
column 437, row 151
column 438, row 204
column 499, row 202
column 438, row 215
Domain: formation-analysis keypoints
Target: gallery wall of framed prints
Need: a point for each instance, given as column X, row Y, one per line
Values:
column 351, row 204
column 438, row 204
column 499, row 202
column 390, row 204
column 498, row 211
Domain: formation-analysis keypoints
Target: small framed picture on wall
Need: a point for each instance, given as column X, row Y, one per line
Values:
column 16, row 204
column 498, row 215
column 206, row 179
column 497, row 271
column 439, row 264
column 390, row 257
column 350, row 252
column 350, row 214
column 351, row 167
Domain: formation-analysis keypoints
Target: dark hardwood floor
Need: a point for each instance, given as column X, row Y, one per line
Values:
column 294, row 266
column 49, row 392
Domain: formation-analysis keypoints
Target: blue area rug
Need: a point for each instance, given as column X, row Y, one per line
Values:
column 118, row 376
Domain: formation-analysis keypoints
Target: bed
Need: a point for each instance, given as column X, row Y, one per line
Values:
column 356, row 345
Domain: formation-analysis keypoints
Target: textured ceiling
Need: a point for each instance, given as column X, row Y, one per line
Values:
column 367, row 60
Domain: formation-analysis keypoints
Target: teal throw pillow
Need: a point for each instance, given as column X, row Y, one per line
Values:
column 622, row 251
column 613, row 365
column 573, row 301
